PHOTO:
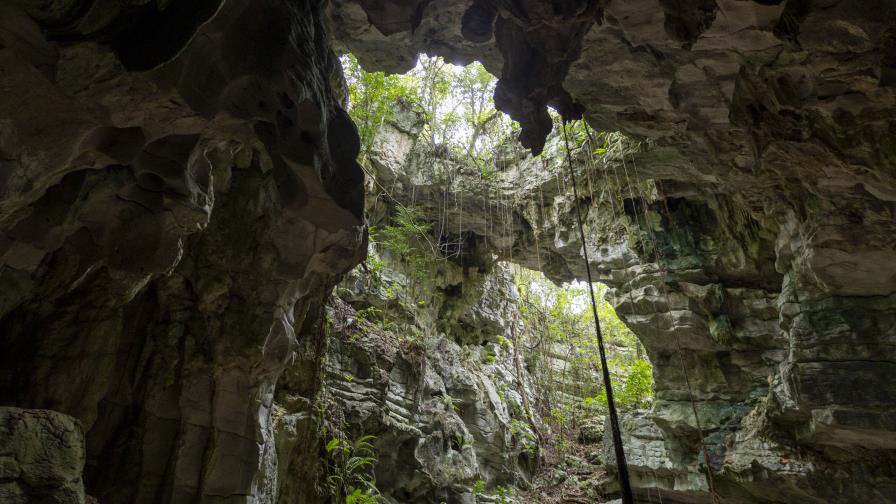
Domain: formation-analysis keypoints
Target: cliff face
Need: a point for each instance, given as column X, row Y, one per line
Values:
column 448, row 415
column 179, row 193
column 786, row 370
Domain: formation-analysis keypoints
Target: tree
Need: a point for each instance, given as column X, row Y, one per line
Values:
column 456, row 102
column 372, row 98
column 561, row 316
column 476, row 87
column 436, row 87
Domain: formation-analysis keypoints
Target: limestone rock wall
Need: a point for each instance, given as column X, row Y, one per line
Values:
column 729, row 301
column 178, row 195
column 445, row 415
column 41, row 457
column 421, row 355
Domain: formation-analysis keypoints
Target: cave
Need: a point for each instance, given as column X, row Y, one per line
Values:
column 193, row 286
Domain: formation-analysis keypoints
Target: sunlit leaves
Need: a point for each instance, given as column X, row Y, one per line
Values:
column 563, row 315
column 373, row 97
column 456, row 104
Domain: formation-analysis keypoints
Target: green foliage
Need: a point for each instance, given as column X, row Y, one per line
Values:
column 406, row 238
column 503, row 495
column 524, row 435
column 372, row 98
column 565, row 315
column 479, row 486
column 502, row 392
column 633, row 386
column 376, row 317
column 376, row 265
column 359, row 496
column 561, row 320
column 576, row 130
column 451, row 403
column 455, row 102
column 637, row 387
column 601, row 141
column 461, row 441
column 435, row 90
column 504, row 343
column 350, row 467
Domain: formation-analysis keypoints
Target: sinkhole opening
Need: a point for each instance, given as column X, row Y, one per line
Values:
column 467, row 335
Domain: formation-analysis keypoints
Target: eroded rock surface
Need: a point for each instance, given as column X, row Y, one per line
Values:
column 41, row 457
column 786, row 370
column 178, row 194
column 446, row 415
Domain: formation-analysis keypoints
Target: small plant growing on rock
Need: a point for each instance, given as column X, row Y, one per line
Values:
column 503, row 495
column 376, row 317
column 376, row 266
column 523, row 432
column 451, row 403
column 504, row 342
column 407, row 239
column 350, row 470
column 460, row 441
column 502, row 392
column 359, row 497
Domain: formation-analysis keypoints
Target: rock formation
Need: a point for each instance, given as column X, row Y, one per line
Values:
column 41, row 457
column 763, row 245
column 179, row 194
column 446, row 414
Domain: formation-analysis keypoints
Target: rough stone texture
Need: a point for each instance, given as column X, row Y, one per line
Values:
column 530, row 44
column 444, row 414
column 787, row 366
column 172, row 215
column 178, row 194
column 41, row 457
column 421, row 356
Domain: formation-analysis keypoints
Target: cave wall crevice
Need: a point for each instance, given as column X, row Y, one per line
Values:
column 180, row 191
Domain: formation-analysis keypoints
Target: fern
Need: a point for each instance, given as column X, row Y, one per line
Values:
column 350, row 470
